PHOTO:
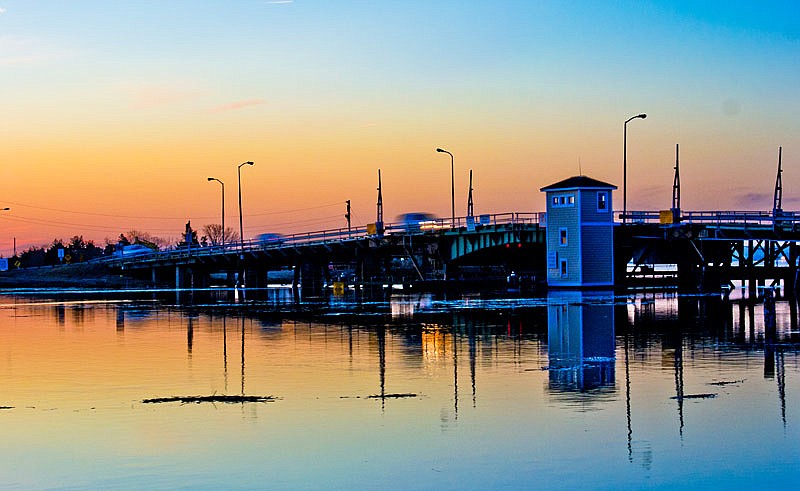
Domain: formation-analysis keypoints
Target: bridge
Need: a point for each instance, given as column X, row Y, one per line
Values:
column 707, row 250
column 712, row 249
column 429, row 251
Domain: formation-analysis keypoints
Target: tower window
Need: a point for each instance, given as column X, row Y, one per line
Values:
column 602, row 201
column 563, row 200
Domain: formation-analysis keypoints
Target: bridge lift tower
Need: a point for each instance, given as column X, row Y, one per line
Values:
column 379, row 218
column 778, row 196
column 676, row 189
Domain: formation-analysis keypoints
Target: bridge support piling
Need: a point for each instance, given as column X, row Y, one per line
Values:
column 790, row 282
column 256, row 277
column 311, row 278
column 690, row 267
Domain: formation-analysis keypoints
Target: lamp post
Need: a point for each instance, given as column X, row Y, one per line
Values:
column 625, row 165
column 452, row 188
column 223, row 209
column 241, row 228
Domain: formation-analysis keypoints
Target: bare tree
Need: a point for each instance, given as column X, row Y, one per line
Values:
column 141, row 237
column 213, row 231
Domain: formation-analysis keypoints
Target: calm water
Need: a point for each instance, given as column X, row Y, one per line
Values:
column 407, row 392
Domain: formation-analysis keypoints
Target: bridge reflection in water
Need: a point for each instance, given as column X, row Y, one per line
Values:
column 508, row 383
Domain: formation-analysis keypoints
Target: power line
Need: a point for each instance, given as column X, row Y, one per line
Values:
column 112, row 228
column 108, row 215
column 295, row 210
column 307, row 221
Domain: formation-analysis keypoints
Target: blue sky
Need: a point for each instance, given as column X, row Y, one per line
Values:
column 148, row 98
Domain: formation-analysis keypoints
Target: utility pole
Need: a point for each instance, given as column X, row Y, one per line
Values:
column 379, row 218
column 676, row 190
column 470, row 211
column 347, row 217
column 778, row 196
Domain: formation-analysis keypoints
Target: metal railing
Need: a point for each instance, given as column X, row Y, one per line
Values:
column 338, row 235
column 719, row 218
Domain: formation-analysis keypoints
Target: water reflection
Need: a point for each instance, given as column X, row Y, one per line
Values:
column 407, row 305
column 505, row 389
column 580, row 341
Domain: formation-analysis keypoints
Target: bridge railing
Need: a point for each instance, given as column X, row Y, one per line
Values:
column 305, row 238
column 337, row 235
column 719, row 218
column 465, row 222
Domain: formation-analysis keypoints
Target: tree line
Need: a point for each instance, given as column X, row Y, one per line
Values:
column 78, row 250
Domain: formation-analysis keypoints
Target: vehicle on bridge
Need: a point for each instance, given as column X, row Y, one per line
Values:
column 417, row 221
column 270, row 239
column 131, row 250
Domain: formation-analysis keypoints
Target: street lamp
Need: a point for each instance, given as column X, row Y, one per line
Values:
column 452, row 188
column 223, row 209
column 241, row 228
column 625, row 165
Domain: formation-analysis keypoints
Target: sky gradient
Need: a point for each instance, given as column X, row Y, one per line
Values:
column 115, row 113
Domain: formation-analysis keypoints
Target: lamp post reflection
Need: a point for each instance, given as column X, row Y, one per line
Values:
column 242, row 355
column 455, row 374
column 381, row 333
column 628, row 398
column 189, row 335
column 225, row 350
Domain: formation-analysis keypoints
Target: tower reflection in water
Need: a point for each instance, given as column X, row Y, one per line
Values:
column 580, row 341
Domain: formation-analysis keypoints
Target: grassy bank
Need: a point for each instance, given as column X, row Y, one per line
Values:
column 83, row 275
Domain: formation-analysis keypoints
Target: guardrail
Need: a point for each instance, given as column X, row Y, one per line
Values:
column 338, row 235
column 719, row 218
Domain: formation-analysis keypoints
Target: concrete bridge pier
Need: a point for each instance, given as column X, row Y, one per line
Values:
column 691, row 268
column 790, row 281
column 183, row 277
column 368, row 267
column 311, row 277
column 689, row 277
column 188, row 277
column 256, row 277
column 703, row 266
column 296, row 280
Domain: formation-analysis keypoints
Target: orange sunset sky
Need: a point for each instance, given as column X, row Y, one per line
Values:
column 114, row 114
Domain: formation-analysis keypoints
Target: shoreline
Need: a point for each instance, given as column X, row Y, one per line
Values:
column 82, row 275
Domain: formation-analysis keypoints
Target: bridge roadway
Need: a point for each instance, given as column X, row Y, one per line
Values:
column 403, row 252
column 710, row 248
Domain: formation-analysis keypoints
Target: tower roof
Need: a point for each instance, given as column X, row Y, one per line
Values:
column 579, row 182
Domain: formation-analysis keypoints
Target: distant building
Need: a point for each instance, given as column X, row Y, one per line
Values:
column 580, row 233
